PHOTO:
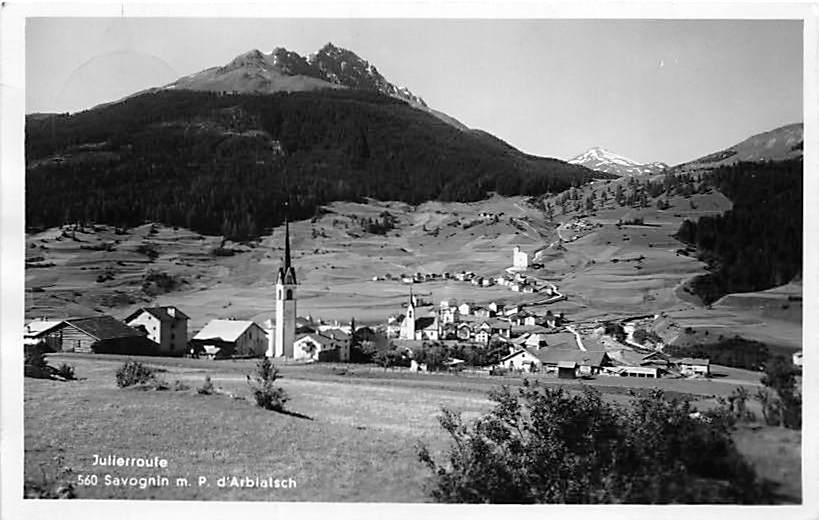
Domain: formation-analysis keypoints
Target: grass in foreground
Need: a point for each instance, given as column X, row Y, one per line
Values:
column 359, row 445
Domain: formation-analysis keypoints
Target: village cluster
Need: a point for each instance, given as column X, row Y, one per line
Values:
column 514, row 277
column 525, row 341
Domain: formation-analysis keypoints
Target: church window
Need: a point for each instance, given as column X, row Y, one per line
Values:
column 289, row 294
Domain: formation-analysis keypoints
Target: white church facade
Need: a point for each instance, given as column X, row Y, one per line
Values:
column 520, row 259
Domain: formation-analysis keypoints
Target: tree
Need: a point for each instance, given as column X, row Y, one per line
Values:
column 780, row 377
column 265, row 392
column 542, row 445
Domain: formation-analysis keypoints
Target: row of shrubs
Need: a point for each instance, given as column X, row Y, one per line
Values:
column 262, row 384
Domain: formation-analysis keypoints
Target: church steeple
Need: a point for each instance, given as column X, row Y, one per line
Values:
column 287, row 274
column 286, row 243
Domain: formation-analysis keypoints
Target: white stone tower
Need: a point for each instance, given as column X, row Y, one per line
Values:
column 285, row 302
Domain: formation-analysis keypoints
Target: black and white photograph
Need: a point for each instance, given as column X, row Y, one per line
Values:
column 447, row 258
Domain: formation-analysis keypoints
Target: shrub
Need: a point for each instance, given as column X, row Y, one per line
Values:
column 222, row 251
column 159, row 383
column 34, row 363
column 65, row 371
column 148, row 250
column 133, row 373
column 785, row 406
column 545, row 445
column 267, row 395
column 206, row 388
column 180, row 386
column 57, row 484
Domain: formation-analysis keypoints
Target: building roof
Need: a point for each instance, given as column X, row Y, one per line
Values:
column 318, row 338
column 224, row 330
column 338, row 334
column 553, row 356
column 38, row 327
column 160, row 313
column 424, row 322
column 693, row 361
column 103, row 327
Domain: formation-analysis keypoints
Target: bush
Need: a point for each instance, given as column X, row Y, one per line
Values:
column 206, row 388
column 785, row 406
column 148, row 250
column 222, row 251
column 65, row 371
column 34, row 364
column 133, row 373
column 57, row 484
column 548, row 446
column 180, row 386
column 267, row 395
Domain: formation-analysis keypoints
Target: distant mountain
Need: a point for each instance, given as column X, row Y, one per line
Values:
column 780, row 144
column 224, row 163
column 602, row 160
column 286, row 71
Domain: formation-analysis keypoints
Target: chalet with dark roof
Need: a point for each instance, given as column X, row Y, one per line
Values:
column 103, row 334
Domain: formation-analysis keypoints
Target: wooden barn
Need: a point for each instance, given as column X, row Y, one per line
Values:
column 103, row 335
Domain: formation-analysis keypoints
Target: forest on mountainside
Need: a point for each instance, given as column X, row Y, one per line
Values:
column 226, row 164
column 758, row 243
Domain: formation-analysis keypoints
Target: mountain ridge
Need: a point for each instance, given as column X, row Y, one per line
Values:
column 779, row 144
column 282, row 70
column 603, row 160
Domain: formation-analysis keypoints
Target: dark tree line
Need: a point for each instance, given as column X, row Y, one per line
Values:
column 226, row 164
column 758, row 243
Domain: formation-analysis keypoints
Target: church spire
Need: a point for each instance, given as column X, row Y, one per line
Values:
column 286, row 242
column 287, row 274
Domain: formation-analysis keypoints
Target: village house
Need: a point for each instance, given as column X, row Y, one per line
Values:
column 464, row 331
column 328, row 345
column 694, row 366
column 512, row 309
column 165, row 326
column 231, row 338
column 102, row 334
column 449, row 315
column 483, row 312
column 46, row 333
column 547, row 359
column 465, row 309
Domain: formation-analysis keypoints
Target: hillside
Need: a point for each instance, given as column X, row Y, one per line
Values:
column 779, row 144
column 226, row 164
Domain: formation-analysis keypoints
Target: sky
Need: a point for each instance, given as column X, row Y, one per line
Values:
column 651, row 90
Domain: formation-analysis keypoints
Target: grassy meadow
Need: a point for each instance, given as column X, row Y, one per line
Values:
column 351, row 433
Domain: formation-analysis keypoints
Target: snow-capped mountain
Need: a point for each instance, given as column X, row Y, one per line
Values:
column 287, row 71
column 603, row 160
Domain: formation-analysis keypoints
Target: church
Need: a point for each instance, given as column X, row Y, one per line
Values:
column 415, row 328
